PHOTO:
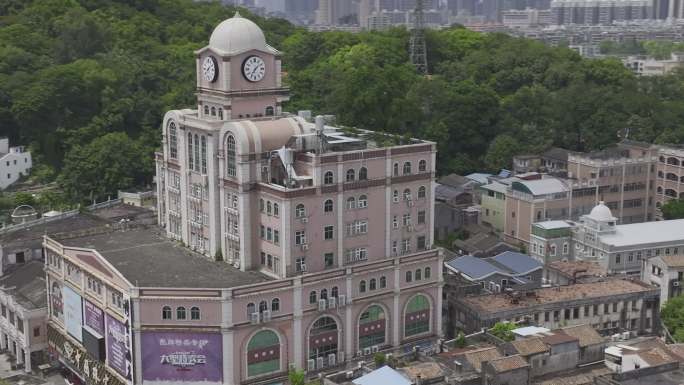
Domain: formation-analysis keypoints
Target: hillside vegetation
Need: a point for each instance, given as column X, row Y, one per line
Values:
column 85, row 84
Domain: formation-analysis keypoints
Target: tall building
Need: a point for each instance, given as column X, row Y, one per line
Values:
column 15, row 162
column 670, row 175
column 333, row 12
column 302, row 245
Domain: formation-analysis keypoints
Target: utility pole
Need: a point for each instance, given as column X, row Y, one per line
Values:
column 418, row 52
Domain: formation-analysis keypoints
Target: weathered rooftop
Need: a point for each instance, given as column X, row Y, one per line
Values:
column 147, row 259
column 27, row 285
column 529, row 346
column 477, row 357
column 494, row 303
column 577, row 269
column 506, row 364
column 586, row 334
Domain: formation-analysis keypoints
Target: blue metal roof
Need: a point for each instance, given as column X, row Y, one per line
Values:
column 517, row 262
column 475, row 268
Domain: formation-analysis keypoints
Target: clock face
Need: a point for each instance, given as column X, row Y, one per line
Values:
column 209, row 69
column 254, row 68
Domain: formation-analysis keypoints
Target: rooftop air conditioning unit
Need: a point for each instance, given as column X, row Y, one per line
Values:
column 625, row 335
column 375, row 349
column 359, row 353
column 254, row 318
column 322, row 304
column 332, row 361
column 349, row 374
column 319, row 363
column 311, row 365
column 366, row 351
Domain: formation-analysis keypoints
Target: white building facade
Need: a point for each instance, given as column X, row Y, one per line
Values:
column 15, row 162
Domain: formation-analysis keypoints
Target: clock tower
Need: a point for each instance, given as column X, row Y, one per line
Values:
column 238, row 74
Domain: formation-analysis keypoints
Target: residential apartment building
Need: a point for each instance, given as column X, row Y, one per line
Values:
column 649, row 66
column 15, row 162
column 665, row 272
column 670, row 175
column 23, row 315
column 307, row 245
column 623, row 177
column 609, row 306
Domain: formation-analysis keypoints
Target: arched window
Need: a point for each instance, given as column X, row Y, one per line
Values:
column 206, row 110
column 263, row 306
column 328, row 178
column 363, row 201
column 197, row 153
column 220, row 110
column 323, row 338
column 328, row 206
column 661, row 174
column 659, row 190
column 251, row 308
column 422, row 165
column 418, row 274
column 312, row 297
column 407, row 168
column 263, row 353
column 324, row 293
column 334, row 292
column 204, row 154
column 351, row 203
column 421, row 192
column 671, row 193
column 191, row 158
column 662, row 159
column 671, row 176
column 213, row 111
column 180, row 313
column 362, row 286
column 194, row 313
column 300, row 211
column 372, row 326
column 269, row 111
column 275, row 304
column 428, row 272
column 673, row 161
column 262, row 205
column 351, row 175
column 231, row 156
column 407, row 194
column 173, row 141
column 372, row 284
column 409, row 276
column 276, row 210
column 363, row 173
column 417, row 316
column 383, row 282
column 166, row 312
column 395, row 169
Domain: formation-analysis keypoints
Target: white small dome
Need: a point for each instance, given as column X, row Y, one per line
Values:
column 236, row 35
column 601, row 213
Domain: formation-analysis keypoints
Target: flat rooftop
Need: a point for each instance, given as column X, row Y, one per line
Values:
column 26, row 283
column 494, row 303
column 646, row 233
column 578, row 268
column 148, row 259
column 552, row 225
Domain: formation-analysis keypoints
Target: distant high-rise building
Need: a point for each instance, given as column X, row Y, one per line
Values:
column 332, row 12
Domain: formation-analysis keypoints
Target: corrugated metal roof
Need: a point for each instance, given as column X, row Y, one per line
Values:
column 517, row 262
column 382, row 376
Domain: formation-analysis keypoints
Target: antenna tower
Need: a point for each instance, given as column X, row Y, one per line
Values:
column 417, row 48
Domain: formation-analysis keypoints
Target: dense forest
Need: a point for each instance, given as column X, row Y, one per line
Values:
column 86, row 82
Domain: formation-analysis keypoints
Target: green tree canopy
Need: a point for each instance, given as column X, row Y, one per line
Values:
column 673, row 209
column 672, row 315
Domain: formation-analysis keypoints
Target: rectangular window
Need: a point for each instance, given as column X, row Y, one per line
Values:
column 615, row 305
column 421, row 217
column 269, row 234
column 300, row 264
column 407, row 219
column 328, row 259
column 300, row 237
column 36, row 332
column 329, row 232
column 606, row 310
column 405, row 245
column 262, row 232
column 20, row 325
column 420, row 242
column 276, row 237
column 546, row 316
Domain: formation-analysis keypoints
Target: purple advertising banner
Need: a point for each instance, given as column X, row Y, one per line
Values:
column 180, row 357
column 94, row 317
column 118, row 352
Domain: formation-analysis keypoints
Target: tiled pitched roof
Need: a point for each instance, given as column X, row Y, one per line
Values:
column 529, row 346
column 477, row 357
column 586, row 334
column 508, row 363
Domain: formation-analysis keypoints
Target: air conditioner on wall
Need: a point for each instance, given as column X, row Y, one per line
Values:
column 304, row 219
column 332, row 302
column 254, row 318
column 311, row 365
column 375, row 349
column 342, row 300
column 366, row 351
column 305, row 246
column 266, row 315
column 332, row 360
column 322, row 304
column 319, row 363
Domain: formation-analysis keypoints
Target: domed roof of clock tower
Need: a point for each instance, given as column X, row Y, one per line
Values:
column 236, row 35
